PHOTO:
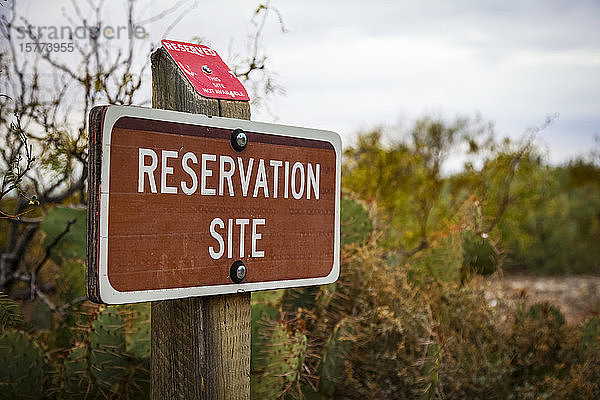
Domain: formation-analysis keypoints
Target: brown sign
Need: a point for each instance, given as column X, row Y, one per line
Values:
column 186, row 205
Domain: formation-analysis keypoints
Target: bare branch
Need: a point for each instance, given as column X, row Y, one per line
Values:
column 52, row 245
column 179, row 18
column 37, row 292
column 164, row 13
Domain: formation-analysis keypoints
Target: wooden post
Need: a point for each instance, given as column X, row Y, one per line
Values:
column 201, row 345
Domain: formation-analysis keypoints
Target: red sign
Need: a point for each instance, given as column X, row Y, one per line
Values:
column 205, row 70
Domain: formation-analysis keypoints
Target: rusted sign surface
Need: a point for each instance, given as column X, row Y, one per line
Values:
column 206, row 71
column 175, row 202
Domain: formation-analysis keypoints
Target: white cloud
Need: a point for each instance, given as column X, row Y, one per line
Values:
column 354, row 64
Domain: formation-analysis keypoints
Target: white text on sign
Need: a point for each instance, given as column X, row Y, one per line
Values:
column 300, row 180
column 228, row 175
column 240, row 225
column 190, row 48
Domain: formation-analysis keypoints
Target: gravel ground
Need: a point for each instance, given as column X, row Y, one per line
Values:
column 578, row 297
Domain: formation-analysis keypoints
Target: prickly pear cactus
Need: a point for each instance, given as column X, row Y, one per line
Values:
column 356, row 224
column 76, row 380
column 107, row 349
column 22, row 367
column 265, row 310
column 479, row 255
column 334, row 353
column 284, row 360
column 302, row 298
column 136, row 318
column 97, row 367
column 70, row 280
column 284, row 322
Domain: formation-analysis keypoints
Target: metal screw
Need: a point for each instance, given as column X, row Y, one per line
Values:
column 241, row 272
column 206, row 69
column 238, row 271
column 239, row 139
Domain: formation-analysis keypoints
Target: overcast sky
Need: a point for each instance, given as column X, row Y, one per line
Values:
column 353, row 65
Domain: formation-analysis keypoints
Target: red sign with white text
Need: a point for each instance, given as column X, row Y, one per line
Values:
column 206, row 71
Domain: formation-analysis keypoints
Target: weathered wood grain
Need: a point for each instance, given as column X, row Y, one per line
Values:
column 200, row 346
column 93, row 209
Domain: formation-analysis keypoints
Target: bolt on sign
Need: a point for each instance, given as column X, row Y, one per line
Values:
column 185, row 205
column 206, row 71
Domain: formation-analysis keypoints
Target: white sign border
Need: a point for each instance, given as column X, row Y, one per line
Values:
column 109, row 295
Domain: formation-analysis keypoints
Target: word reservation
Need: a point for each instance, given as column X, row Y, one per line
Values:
column 228, row 175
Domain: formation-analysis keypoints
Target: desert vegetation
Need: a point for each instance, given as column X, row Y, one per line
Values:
column 407, row 318
column 403, row 321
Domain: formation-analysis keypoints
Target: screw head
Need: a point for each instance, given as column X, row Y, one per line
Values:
column 238, row 272
column 239, row 139
column 241, row 272
column 206, row 69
